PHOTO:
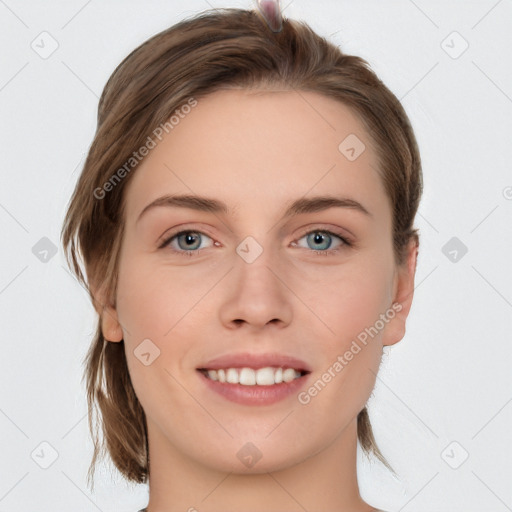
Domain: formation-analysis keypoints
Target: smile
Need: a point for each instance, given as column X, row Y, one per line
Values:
column 267, row 376
column 247, row 386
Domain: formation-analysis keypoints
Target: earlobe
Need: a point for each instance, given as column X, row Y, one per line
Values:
column 402, row 301
column 110, row 326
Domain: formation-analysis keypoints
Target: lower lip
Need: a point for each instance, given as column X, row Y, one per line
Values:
column 255, row 395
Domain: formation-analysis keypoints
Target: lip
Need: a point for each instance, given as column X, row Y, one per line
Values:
column 255, row 361
column 255, row 395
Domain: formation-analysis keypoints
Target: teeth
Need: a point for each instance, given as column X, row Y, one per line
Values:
column 264, row 377
column 231, row 376
column 249, row 377
column 289, row 374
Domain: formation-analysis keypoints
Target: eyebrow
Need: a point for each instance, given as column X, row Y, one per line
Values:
column 300, row 206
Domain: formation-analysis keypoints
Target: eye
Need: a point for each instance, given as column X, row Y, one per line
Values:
column 188, row 242
column 322, row 239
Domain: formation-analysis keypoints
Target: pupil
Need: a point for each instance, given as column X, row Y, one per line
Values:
column 190, row 239
column 319, row 238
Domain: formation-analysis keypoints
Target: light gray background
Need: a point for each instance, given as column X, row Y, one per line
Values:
column 448, row 381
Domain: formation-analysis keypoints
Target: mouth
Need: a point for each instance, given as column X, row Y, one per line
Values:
column 254, row 380
column 246, row 376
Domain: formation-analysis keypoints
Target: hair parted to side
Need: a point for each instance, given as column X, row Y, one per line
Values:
column 216, row 49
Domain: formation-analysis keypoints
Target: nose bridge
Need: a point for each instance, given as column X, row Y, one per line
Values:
column 257, row 264
column 257, row 294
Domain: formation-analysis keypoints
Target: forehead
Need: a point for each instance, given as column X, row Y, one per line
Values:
column 250, row 147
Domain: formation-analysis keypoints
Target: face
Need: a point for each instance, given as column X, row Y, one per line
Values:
column 258, row 283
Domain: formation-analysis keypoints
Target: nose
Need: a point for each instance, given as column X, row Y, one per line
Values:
column 257, row 295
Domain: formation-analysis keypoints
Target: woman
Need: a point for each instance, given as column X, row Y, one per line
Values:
column 245, row 215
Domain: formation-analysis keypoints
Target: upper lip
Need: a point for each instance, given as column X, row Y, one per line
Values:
column 255, row 361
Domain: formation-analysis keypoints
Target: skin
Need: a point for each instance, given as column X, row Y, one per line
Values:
column 257, row 151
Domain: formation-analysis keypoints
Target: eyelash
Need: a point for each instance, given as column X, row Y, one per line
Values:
column 346, row 243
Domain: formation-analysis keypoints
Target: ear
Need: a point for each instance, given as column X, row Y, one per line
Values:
column 402, row 296
column 110, row 326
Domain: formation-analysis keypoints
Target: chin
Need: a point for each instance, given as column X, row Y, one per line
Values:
column 254, row 457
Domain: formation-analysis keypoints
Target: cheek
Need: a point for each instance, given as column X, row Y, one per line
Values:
column 350, row 306
column 165, row 306
column 348, row 299
column 153, row 298
column 154, row 314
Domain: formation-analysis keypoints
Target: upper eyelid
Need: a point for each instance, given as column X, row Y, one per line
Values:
column 320, row 229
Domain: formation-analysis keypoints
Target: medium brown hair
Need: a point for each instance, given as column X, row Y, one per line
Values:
column 215, row 49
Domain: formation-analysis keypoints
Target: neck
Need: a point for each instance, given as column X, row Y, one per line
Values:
column 326, row 481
